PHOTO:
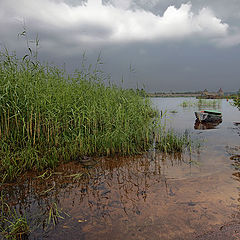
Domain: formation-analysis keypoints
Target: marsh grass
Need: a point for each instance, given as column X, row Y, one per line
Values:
column 214, row 103
column 48, row 116
column 168, row 141
column 187, row 104
column 55, row 214
column 12, row 224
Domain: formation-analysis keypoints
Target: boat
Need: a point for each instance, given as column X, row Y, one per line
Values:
column 209, row 116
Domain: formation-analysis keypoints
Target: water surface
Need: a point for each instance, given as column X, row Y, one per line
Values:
column 152, row 196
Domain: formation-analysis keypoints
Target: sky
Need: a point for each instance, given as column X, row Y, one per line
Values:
column 158, row 45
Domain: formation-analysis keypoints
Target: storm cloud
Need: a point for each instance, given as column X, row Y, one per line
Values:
column 143, row 28
column 95, row 24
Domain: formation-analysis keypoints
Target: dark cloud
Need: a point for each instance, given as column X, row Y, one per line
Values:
column 171, row 44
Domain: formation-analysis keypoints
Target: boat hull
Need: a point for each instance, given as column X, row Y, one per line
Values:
column 207, row 117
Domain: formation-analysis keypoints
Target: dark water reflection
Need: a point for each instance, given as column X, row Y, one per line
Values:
column 154, row 196
column 206, row 125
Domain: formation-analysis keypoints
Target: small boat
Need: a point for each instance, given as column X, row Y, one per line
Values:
column 209, row 116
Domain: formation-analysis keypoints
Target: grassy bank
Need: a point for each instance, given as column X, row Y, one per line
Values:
column 47, row 116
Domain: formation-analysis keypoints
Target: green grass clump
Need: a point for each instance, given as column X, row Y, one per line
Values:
column 169, row 141
column 48, row 116
column 13, row 225
column 202, row 103
column 209, row 103
column 187, row 104
column 54, row 214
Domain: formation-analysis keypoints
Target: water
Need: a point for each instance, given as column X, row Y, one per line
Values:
column 153, row 196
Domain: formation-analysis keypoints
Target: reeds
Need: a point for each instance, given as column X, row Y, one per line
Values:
column 168, row 141
column 214, row 103
column 187, row 104
column 48, row 116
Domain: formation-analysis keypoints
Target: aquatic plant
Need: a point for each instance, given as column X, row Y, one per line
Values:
column 48, row 116
column 236, row 100
column 209, row 103
column 214, row 103
column 187, row 104
column 173, row 111
column 12, row 224
column 54, row 214
column 168, row 141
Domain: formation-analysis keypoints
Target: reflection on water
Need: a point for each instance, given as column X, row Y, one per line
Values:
column 237, row 124
column 152, row 196
column 206, row 125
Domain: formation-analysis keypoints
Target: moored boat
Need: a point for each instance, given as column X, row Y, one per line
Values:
column 208, row 116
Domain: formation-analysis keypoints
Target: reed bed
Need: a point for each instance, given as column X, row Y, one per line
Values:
column 48, row 116
column 215, row 103
column 168, row 141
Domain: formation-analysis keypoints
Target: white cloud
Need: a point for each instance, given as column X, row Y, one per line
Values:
column 95, row 24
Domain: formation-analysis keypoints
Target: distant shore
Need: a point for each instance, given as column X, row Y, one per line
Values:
column 197, row 95
column 174, row 94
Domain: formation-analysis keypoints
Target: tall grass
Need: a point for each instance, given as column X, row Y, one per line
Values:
column 168, row 141
column 48, row 116
column 215, row 103
column 187, row 104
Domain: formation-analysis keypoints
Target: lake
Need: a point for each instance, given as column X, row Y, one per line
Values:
column 150, row 196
